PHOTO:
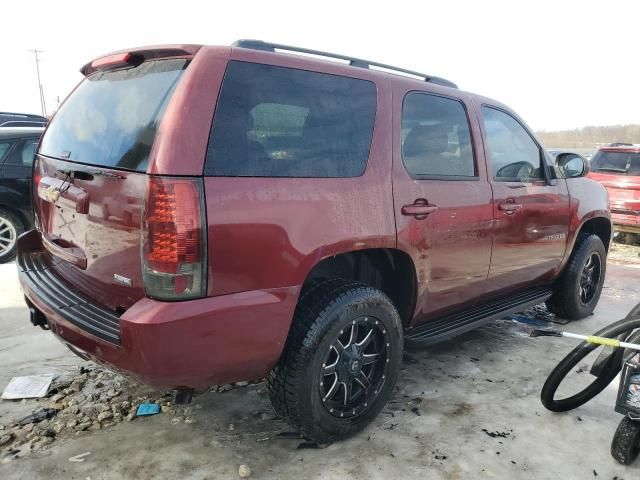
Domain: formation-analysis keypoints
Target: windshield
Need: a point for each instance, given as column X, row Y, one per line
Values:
column 111, row 119
column 626, row 163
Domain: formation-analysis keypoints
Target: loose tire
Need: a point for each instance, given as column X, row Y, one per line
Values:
column 340, row 362
column 626, row 442
column 578, row 290
column 10, row 229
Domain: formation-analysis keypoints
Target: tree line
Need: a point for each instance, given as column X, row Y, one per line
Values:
column 590, row 137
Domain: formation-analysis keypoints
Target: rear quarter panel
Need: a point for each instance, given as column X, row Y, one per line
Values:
column 270, row 232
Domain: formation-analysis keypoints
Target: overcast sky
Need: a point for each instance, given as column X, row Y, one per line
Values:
column 559, row 64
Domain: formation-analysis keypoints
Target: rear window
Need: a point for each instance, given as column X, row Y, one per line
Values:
column 281, row 122
column 111, row 118
column 624, row 163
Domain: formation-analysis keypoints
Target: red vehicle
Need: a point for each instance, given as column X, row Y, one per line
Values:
column 617, row 167
column 295, row 218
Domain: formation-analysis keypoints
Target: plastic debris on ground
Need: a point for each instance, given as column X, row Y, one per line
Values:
column 39, row 416
column 148, row 409
column 31, row 386
column 79, row 458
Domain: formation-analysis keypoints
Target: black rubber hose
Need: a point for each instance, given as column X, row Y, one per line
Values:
column 622, row 329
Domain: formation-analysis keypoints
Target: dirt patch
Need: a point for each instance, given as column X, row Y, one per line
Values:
column 624, row 253
column 462, row 409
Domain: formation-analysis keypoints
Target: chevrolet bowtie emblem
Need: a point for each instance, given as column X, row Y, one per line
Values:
column 52, row 194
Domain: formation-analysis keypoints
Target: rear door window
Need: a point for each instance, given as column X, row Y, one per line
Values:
column 111, row 119
column 281, row 122
column 436, row 140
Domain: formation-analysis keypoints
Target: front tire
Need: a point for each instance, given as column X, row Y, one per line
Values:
column 341, row 360
column 578, row 289
column 10, row 229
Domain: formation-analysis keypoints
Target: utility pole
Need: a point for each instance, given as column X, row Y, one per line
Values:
column 43, row 105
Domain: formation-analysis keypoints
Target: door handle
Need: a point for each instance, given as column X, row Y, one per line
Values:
column 419, row 209
column 509, row 206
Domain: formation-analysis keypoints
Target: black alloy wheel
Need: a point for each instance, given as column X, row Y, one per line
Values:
column 355, row 367
column 590, row 277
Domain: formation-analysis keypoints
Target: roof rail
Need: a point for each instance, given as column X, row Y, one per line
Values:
column 26, row 115
column 355, row 62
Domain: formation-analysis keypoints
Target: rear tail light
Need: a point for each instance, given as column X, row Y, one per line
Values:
column 174, row 239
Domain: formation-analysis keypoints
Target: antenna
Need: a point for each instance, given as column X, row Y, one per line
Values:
column 43, row 105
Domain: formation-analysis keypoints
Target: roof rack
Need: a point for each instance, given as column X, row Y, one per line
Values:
column 354, row 62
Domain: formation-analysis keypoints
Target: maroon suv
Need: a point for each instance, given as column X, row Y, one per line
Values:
column 215, row 214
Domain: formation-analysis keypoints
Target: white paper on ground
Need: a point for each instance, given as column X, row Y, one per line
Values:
column 31, row 386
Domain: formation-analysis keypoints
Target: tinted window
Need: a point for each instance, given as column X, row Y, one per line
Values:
column 280, row 122
column 616, row 162
column 111, row 119
column 514, row 155
column 435, row 137
column 24, row 152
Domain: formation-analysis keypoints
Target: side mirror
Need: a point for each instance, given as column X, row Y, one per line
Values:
column 572, row 165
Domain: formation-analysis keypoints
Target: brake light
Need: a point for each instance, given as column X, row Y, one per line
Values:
column 174, row 239
column 115, row 61
column 111, row 61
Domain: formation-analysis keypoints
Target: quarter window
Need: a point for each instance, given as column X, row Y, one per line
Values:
column 513, row 153
column 281, row 122
column 435, row 137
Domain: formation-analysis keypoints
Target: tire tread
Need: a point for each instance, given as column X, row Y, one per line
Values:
column 307, row 325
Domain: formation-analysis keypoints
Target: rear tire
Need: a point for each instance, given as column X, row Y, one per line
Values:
column 11, row 227
column 343, row 333
column 578, row 289
column 626, row 442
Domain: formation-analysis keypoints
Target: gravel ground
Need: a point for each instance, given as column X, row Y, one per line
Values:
column 627, row 252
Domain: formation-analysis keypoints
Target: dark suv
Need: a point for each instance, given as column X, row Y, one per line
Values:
column 9, row 119
column 214, row 214
column 17, row 149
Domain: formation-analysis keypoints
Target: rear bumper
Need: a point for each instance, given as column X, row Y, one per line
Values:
column 194, row 344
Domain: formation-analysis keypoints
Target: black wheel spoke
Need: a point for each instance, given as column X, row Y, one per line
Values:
column 353, row 335
column 348, row 391
column 364, row 343
column 362, row 379
column 332, row 390
column 338, row 347
column 330, row 369
column 371, row 358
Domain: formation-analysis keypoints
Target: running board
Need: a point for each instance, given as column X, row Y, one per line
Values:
column 456, row 324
